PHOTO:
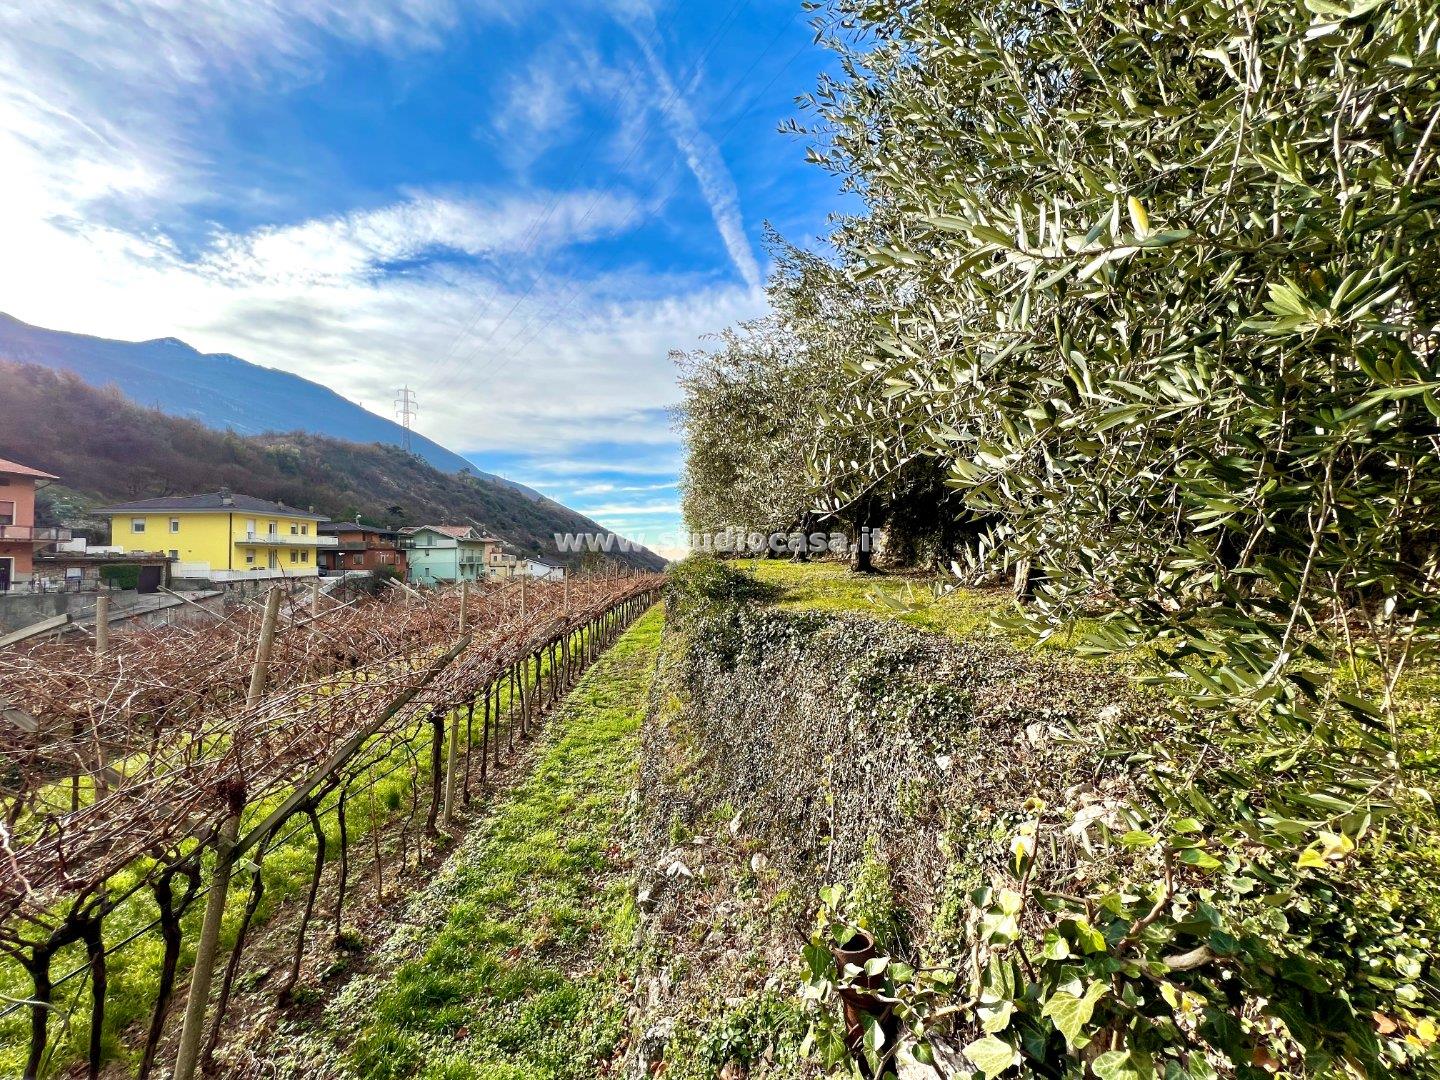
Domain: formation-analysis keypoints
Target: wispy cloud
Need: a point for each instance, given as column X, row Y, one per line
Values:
column 532, row 299
column 587, row 490
column 706, row 163
column 361, row 243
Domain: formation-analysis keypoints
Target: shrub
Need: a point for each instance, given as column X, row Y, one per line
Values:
column 121, row 575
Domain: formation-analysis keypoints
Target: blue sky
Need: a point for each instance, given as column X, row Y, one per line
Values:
column 516, row 209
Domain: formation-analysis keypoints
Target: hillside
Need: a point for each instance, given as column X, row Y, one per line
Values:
column 219, row 390
column 105, row 447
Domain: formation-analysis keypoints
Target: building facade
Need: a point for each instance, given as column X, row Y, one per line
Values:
column 20, row 537
column 223, row 536
column 361, row 548
column 438, row 553
column 538, row 568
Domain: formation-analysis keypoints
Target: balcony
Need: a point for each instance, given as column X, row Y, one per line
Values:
column 39, row 534
column 288, row 540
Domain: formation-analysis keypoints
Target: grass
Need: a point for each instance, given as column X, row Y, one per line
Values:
column 521, row 979
column 833, row 586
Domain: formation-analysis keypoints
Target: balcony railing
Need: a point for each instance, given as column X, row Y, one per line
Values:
column 289, row 540
column 39, row 533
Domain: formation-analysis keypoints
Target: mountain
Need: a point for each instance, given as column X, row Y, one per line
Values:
column 217, row 389
column 107, row 448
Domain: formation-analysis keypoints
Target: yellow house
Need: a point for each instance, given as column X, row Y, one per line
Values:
column 222, row 536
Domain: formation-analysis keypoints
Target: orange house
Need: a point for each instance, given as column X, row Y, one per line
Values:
column 19, row 536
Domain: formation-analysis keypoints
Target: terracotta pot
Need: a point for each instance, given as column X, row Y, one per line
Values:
column 856, row 1002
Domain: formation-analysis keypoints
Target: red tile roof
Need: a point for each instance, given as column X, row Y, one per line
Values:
column 457, row 532
column 14, row 468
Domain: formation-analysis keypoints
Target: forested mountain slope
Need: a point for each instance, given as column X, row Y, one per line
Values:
column 106, row 448
column 219, row 390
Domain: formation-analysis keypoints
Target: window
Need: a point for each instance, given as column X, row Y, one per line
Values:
column 304, row 530
column 249, row 556
column 294, row 530
column 174, row 525
column 274, row 529
column 137, row 525
column 174, row 555
column 7, row 513
column 294, row 556
column 250, row 526
column 304, row 556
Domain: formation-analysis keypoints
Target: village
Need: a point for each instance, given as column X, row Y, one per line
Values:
column 178, row 551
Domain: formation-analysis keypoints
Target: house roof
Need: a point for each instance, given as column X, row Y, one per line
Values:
column 14, row 468
column 335, row 527
column 455, row 532
column 215, row 500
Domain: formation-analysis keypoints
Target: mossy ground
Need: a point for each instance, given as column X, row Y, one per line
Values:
column 833, row 586
column 523, row 979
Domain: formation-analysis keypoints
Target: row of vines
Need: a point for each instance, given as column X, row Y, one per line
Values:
column 161, row 791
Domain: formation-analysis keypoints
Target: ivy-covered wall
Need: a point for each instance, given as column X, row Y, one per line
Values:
column 852, row 739
column 789, row 750
column 1062, row 874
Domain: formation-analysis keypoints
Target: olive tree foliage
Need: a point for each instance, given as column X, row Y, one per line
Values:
column 1159, row 290
column 1164, row 284
column 758, row 417
column 750, row 419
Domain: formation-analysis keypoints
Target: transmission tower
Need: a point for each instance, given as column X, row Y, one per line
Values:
column 406, row 409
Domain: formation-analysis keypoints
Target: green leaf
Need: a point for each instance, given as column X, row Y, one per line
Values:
column 1086, row 936
column 1199, row 859
column 1123, row 1065
column 992, row 1056
column 1070, row 1014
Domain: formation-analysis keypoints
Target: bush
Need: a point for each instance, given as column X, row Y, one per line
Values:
column 121, row 575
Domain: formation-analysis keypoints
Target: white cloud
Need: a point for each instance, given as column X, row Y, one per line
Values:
column 651, row 509
column 706, row 163
column 586, row 490
column 104, row 107
column 332, row 250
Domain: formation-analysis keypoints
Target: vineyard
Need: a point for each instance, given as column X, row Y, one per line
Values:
column 148, row 779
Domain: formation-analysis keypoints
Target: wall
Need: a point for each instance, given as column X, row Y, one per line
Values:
column 19, row 610
column 868, row 741
column 429, row 564
column 215, row 542
column 21, row 492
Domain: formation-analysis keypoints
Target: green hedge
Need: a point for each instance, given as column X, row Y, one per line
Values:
column 121, row 576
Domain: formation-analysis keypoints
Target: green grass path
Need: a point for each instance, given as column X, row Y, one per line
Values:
column 522, row 980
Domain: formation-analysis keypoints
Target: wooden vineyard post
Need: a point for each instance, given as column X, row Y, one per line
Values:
column 102, row 625
column 437, row 780
column 204, row 969
column 464, row 607
column 522, row 595
column 451, row 753
column 261, row 671
column 315, row 596
column 485, row 734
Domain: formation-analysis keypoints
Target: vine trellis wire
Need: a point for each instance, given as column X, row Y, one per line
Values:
column 167, row 756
